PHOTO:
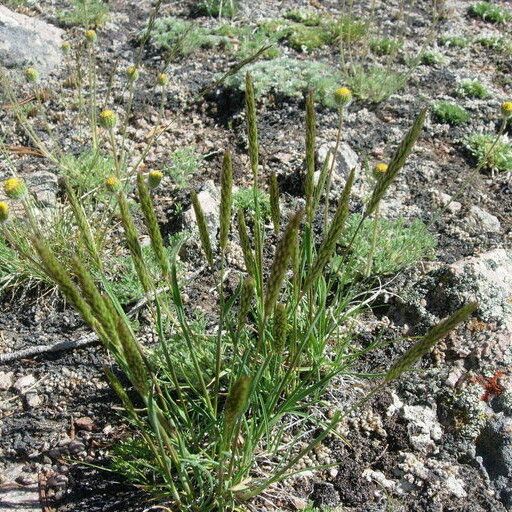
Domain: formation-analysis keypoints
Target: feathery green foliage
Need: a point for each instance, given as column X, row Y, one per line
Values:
column 491, row 153
column 451, row 113
column 85, row 13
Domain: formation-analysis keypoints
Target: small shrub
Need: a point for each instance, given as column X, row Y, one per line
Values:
column 219, row 7
column 244, row 198
column 491, row 155
column 451, row 113
column 385, row 46
column 472, row 89
column 88, row 170
column 85, row 13
column 307, row 17
column 454, row 41
column 290, row 78
column 183, row 164
column 374, row 83
column 183, row 37
column 432, row 58
column 489, row 12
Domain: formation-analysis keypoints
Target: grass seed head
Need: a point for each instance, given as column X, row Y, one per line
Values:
column 31, row 74
column 107, row 118
column 154, row 178
column 4, row 211
column 15, row 188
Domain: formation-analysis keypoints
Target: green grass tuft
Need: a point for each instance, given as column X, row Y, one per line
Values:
column 472, row 89
column 451, row 113
column 385, row 46
column 375, row 83
column 454, row 41
column 489, row 12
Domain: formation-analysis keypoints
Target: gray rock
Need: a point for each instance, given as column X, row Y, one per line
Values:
column 495, row 447
column 5, row 380
column 480, row 220
column 23, row 383
column 209, row 199
column 423, row 428
column 33, row 400
column 44, row 185
column 26, row 41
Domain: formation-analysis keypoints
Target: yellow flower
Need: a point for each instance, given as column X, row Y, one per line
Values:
column 132, row 73
column 506, row 109
column 381, row 167
column 15, row 188
column 91, row 36
column 162, row 79
column 65, row 47
column 112, row 183
column 4, row 211
column 343, row 96
column 154, row 178
column 31, row 74
column 107, row 118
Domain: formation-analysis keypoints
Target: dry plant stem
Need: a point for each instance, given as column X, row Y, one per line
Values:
column 369, row 264
column 331, row 168
column 92, row 92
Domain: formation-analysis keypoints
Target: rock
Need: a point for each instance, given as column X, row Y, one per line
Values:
column 325, row 495
column 445, row 201
column 33, row 400
column 423, row 428
column 44, row 185
column 209, row 199
column 346, row 160
column 26, row 41
column 495, row 447
column 23, row 383
column 488, row 279
column 5, row 380
column 84, row 423
column 480, row 220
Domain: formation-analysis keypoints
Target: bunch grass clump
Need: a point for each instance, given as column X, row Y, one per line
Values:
column 490, row 12
column 209, row 400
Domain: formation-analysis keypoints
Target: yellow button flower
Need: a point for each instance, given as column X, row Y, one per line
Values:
column 154, row 178
column 132, row 73
column 381, row 167
column 15, row 188
column 506, row 109
column 91, row 36
column 112, row 183
column 31, row 74
column 107, row 118
column 4, row 211
column 162, row 79
column 343, row 96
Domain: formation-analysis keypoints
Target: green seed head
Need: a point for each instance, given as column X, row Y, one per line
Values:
column 31, row 74
column 343, row 96
column 132, row 73
column 154, row 178
column 65, row 47
column 90, row 36
column 506, row 109
column 162, row 79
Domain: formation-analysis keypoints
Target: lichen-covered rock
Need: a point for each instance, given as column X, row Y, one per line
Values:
column 26, row 41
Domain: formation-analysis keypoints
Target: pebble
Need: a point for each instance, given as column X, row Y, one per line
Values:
column 5, row 380
column 23, row 383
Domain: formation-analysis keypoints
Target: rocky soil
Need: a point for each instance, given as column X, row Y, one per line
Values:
column 438, row 441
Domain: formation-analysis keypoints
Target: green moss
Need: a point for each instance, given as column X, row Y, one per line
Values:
column 472, row 89
column 85, row 13
column 290, row 78
column 451, row 113
column 491, row 155
column 385, row 46
column 489, row 12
